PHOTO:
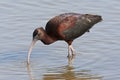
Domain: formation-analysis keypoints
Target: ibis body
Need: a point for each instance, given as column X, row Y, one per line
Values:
column 66, row 27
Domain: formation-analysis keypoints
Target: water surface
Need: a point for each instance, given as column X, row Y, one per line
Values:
column 97, row 52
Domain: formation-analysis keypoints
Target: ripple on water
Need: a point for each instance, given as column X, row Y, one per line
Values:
column 97, row 52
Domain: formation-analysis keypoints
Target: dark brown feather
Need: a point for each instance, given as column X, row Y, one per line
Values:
column 69, row 26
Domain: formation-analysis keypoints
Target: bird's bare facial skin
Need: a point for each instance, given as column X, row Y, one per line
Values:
column 38, row 34
column 35, row 33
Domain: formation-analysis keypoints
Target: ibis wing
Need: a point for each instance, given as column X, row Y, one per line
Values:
column 80, row 27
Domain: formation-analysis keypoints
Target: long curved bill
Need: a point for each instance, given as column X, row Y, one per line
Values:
column 30, row 50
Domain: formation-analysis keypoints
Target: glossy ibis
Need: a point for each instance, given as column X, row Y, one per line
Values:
column 67, row 27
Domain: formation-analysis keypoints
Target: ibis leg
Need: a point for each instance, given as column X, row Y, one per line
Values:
column 72, row 50
column 71, row 54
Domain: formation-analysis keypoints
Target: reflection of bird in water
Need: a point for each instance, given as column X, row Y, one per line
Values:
column 64, row 73
column 69, row 74
column 29, row 72
column 67, row 27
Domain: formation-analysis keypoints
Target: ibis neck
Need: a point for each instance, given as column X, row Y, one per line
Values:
column 46, row 39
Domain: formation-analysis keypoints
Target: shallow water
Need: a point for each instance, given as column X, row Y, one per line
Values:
column 97, row 55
